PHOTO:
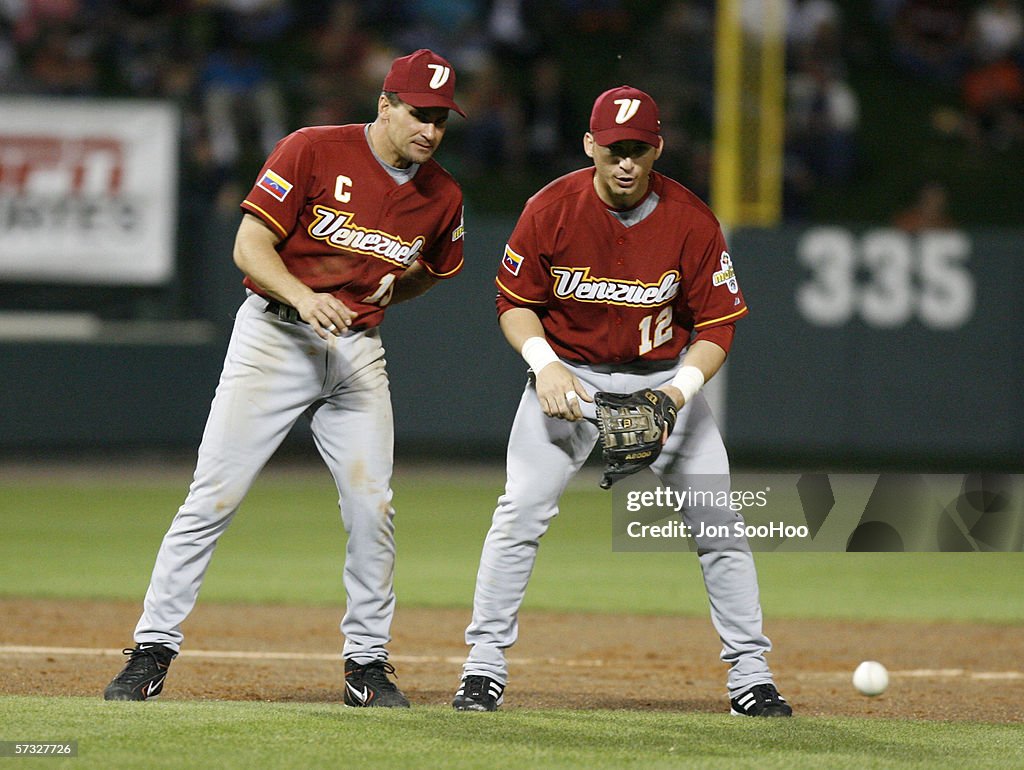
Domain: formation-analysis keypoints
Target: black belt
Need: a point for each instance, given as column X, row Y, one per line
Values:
column 290, row 315
column 284, row 312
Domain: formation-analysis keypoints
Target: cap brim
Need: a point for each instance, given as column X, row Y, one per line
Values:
column 424, row 101
column 613, row 135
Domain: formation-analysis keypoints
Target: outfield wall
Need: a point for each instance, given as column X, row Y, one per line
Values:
column 863, row 347
column 873, row 343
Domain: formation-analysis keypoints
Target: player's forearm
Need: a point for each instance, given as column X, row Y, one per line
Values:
column 702, row 356
column 518, row 325
column 255, row 255
column 706, row 356
column 414, row 282
column 274, row 279
column 559, row 391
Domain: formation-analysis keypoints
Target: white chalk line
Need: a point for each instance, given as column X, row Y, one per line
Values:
column 926, row 673
column 12, row 650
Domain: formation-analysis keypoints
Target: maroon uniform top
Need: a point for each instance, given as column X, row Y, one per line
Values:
column 346, row 226
column 608, row 293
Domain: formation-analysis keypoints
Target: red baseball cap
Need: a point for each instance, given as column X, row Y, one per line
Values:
column 625, row 113
column 423, row 79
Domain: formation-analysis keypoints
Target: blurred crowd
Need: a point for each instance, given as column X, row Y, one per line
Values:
column 246, row 72
column 979, row 49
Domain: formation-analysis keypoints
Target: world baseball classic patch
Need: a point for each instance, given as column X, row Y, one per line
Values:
column 459, row 231
column 275, row 184
column 726, row 275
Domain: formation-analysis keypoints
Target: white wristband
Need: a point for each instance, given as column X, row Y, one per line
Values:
column 689, row 380
column 538, row 353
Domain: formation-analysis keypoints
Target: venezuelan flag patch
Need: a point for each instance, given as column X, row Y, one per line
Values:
column 512, row 261
column 275, row 184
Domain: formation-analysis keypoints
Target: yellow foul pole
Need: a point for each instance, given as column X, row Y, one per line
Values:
column 746, row 183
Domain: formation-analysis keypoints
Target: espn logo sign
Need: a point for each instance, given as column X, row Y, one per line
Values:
column 88, row 190
column 56, row 165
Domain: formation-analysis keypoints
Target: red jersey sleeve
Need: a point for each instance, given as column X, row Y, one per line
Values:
column 277, row 198
column 720, row 335
column 713, row 293
column 444, row 257
column 523, row 279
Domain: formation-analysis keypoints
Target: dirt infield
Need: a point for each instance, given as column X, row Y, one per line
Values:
column 236, row 652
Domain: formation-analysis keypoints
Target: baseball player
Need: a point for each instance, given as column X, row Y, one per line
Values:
column 343, row 221
column 614, row 279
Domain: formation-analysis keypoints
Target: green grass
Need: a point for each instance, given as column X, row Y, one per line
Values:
column 98, row 540
column 64, row 537
column 265, row 735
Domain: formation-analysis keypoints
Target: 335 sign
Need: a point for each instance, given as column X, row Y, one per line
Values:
column 886, row 278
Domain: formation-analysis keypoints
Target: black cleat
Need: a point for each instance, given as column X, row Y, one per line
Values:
column 478, row 693
column 368, row 685
column 761, row 700
column 144, row 673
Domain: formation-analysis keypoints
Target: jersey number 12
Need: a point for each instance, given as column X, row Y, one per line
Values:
column 662, row 330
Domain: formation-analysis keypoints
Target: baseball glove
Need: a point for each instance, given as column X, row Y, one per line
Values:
column 632, row 426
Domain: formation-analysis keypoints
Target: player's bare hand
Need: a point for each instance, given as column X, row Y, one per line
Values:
column 326, row 314
column 560, row 392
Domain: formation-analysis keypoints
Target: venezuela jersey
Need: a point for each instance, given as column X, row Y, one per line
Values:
column 346, row 226
column 608, row 293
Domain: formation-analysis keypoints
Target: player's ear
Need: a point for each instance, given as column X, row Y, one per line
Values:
column 383, row 106
column 660, row 147
column 588, row 144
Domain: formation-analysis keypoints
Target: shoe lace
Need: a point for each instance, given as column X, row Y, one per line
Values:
column 768, row 693
column 377, row 674
column 142, row 664
column 476, row 687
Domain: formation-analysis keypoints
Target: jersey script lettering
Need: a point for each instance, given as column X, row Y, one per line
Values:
column 338, row 229
column 576, row 283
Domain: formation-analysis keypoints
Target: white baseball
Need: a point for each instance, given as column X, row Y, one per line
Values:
column 871, row 678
